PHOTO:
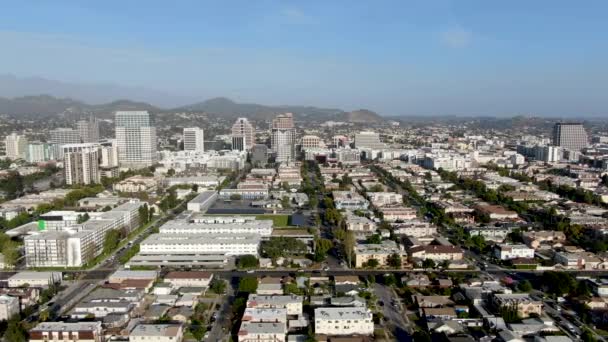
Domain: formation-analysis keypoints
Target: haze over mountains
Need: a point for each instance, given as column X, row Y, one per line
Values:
column 37, row 97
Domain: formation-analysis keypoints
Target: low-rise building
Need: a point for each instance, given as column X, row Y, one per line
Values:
column 292, row 303
column 415, row 228
column 524, row 304
column 202, row 201
column 343, row 321
column 349, row 200
column 262, row 331
column 534, row 239
column 381, row 199
column 436, row 252
column 379, row 252
column 34, row 279
column 137, row 184
column 496, row 212
column 189, row 279
column 508, row 252
column 157, row 333
column 61, row 332
column 9, row 306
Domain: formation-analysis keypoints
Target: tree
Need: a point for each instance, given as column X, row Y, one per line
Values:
column 15, row 332
column 111, row 240
column 247, row 261
column 394, row 260
column 372, row 263
column 82, row 218
column 285, row 202
column 421, row 336
column 218, row 286
column 524, row 286
column 479, row 242
column 428, row 263
column 171, row 172
column 374, row 239
column 236, row 197
column 144, row 214
column 349, row 245
column 248, row 284
column 587, row 336
column 277, row 247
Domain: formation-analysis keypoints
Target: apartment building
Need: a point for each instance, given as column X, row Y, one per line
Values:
column 349, row 200
column 9, row 306
column 522, row 301
column 157, row 333
column 343, row 321
column 221, row 244
column 508, row 252
column 436, row 252
column 61, row 332
column 381, row 199
column 379, row 252
column 262, row 331
column 292, row 303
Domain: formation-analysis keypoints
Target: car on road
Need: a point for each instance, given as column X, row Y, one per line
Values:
column 381, row 303
column 325, row 268
column 206, row 336
column 250, row 271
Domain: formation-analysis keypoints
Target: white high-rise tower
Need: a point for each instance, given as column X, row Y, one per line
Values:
column 136, row 138
column 283, row 139
column 243, row 135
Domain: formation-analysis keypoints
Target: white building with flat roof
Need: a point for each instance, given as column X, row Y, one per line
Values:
column 292, row 303
column 260, row 227
column 227, row 244
column 344, row 321
column 508, row 252
column 34, row 279
column 9, row 306
column 61, row 332
column 157, row 333
column 194, row 139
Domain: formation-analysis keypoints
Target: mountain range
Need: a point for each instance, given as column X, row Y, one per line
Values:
column 17, row 99
column 45, row 106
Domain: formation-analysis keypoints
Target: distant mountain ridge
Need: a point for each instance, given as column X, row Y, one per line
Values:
column 45, row 105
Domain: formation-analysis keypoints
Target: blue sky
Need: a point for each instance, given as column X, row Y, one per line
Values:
column 396, row 57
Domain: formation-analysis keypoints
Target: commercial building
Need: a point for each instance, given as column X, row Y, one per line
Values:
column 243, row 135
column 283, row 138
column 312, row 142
column 203, row 201
column 81, row 163
column 571, row 136
column 259, row 155
column 260, row 227
column 136, row 139
column 220, row 244
column 109, row 154
column 194, row 139
column 189, row 279
column 381, row 199
column 136, row 183
column 63, row 136
column 370, row 140
column 16, row 146
column 61, row 332
column 34, row 279
column 344, row 321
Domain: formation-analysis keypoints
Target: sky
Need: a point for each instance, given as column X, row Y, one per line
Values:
column 395, row 57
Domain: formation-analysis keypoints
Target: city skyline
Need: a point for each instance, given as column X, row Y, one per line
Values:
column 444, row 58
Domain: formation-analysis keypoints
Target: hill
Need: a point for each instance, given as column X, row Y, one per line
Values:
column 222, row 106
column 361, row 116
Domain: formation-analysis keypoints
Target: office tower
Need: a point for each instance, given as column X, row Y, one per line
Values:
column 63, row 136
column 194, row 139
column 88, row 130
column 136, row 138
column 570, row 135
column 16, row 146
column 243, row 135
column 283, row 138
column 38, row 152
column 81, row 163
column 259, row 155
column 368, row 140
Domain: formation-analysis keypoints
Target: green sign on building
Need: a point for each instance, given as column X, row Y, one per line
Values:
column 41, row 225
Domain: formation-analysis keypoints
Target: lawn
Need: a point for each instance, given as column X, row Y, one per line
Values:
column 278, row 220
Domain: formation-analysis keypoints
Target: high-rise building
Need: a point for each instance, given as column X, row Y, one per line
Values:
column 63, row 136
column 571, row 136
column 283, row 139
column 88, row 130
column 259, row 155
column 136, row 138
column 81, row 163
column 109, row 153
column 38, row 152
column 16, row 146
column 243, row 135
column 194, row 139
column 368, row 140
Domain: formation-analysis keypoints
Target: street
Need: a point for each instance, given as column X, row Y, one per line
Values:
column 393, row 312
